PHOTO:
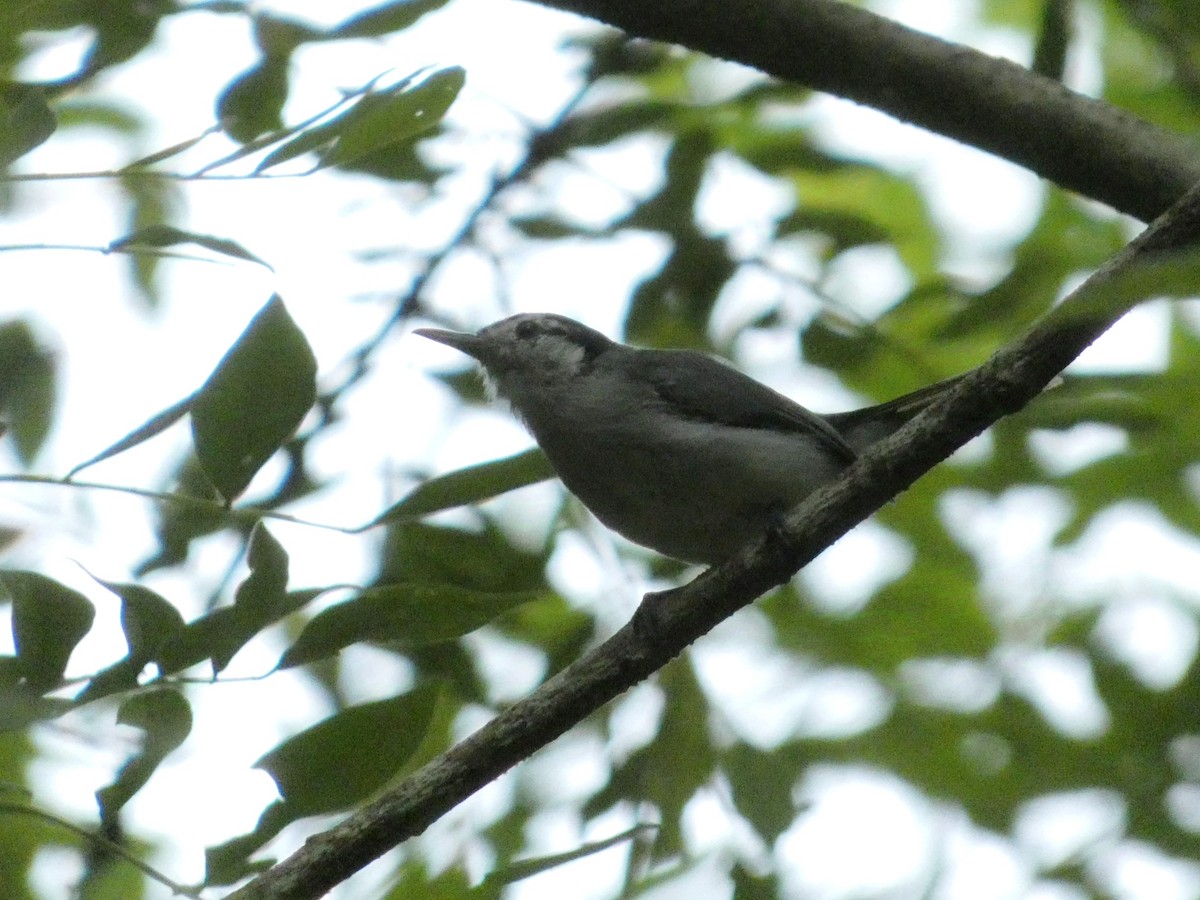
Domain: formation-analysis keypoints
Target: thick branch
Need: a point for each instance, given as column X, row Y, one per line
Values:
column 668, row 623
column 1080, row 143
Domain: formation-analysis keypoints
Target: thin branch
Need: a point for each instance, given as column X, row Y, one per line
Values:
column 1081, row 143
column 108, row 250
column 101, row 841
column 199, row 504
column 145, row 173
column 667, row 623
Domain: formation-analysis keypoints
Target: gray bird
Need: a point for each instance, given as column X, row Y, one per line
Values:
column 673, row 449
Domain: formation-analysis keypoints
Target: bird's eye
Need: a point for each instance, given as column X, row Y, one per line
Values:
column 526, row 330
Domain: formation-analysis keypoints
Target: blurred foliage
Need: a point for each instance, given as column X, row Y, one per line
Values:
column 940, row 648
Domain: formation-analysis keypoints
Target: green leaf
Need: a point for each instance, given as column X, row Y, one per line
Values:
column 317, row 137
column 278, row 36
column 755, row 777
column 201, row 639
column 166, row 718
column 27, row 388
column 252, row 103
column 26, row 120
column 889, row 204
column 155, row 425
column 1050, row 54
column 414, row 879
column 151, row 201
column 473, row 484
column 404, row 614
column 748, row 886
column 148, row 620
column 20, row 704
column 48, row 620
column 390, row 117
column 159, row 235
column 119, row 678
column 365, row 746
column 228, row 862
column 486, row 560
column 384, row 19
column 260, row 600
column 254, row 400
column 178, row 524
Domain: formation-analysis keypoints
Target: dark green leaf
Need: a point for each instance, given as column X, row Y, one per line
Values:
column 260, row 600
column 595, row 127
column 473, row 484
column 317, row 137
column 21, row 705
column 416, row 880
column 1050, row 55
column 122, row 30
column 886, row 202
column 403, row 614
column 210, row 635
column 385, row 118
column 554, row 625
column 277, row 36
column 485, row 560
column 384, row 19
column 366, row 746
column 229, row 862
column 160, row 235
column 254, row 400
column 399, row 162
column 747, row 886
column 26, row 120
column 119, row 678
column 844, row 229
column 166, row 718
column 152, row 201
column 180, row 523
column 48, row 620
column 147, row 619
column 545, row 228
column 760, row 783
column 27, row 388
column 252, row 104
column 157, row 424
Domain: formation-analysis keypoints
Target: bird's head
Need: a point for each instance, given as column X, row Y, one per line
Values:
column 539, row 347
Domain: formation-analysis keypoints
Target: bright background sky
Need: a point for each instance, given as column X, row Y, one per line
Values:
column 120, row 365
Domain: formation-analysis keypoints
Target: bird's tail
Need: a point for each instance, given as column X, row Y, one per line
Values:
column 862, row 427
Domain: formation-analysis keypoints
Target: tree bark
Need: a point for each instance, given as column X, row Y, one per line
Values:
column 1078, row 142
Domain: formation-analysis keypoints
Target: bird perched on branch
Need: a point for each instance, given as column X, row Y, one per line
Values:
column 673, row 449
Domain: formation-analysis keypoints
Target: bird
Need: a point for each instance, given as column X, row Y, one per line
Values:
column 673, row 449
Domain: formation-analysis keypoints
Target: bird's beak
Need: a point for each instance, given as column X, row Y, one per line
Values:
column 470, row 344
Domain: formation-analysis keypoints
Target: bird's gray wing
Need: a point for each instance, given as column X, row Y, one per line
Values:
column 700, row 387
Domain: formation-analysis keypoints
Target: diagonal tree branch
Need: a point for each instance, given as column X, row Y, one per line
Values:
column 1078, row 142
column 667, row 623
